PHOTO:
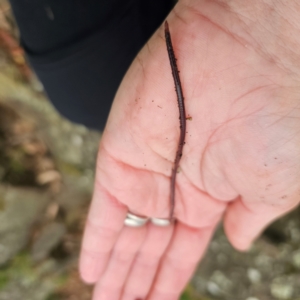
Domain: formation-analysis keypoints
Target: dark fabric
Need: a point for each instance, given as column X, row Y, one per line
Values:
column 81, row 49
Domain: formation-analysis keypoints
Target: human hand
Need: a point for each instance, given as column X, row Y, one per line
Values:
column 240, row 160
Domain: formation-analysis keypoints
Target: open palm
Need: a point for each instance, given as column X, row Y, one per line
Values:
column 240, row 160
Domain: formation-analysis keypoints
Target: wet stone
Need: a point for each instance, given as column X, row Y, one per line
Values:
column 11, row 243
column 21, row 208
column 48, row 239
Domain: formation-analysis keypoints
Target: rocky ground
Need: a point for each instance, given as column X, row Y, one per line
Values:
column 46, row 176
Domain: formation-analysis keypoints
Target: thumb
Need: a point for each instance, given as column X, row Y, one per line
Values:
column 243, row 223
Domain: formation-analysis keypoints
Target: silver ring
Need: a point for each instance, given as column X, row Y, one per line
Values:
column 160, row 222
column 134, row 220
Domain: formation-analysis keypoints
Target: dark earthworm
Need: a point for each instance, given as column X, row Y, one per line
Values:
column 182, row 117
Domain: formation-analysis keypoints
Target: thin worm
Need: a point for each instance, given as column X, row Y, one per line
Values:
column 182, row 118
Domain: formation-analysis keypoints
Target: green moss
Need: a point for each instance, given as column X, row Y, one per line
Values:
column 61, row 280
column 2, row 204
column 4, row 278
column 190, row 294
column 55, row 296
column 21, row 262
column 17, row 157
column 19, row 267
column 18, row 167
column 185, row 296
column 69, row 169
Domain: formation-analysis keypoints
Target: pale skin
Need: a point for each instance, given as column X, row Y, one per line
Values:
column 240, row 73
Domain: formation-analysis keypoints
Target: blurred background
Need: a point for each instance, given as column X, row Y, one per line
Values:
column 46, row 181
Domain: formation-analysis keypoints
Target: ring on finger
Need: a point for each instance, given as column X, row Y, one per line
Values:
column 161, row 222
column 133, row 220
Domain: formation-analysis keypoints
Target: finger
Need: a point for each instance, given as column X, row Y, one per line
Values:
column 244, row 223
column 111, row 284
column 104, row 223
column 146, row 262
column 186, row 249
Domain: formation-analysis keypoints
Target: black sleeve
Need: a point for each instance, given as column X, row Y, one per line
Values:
column 81, row 49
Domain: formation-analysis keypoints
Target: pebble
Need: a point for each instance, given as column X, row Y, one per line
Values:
column 221, row 280
column 254, row 275
column 213, row 289
column 263, row 261
column 77, row 140
column 296, row 259
column 281, row 288
column 295, row 234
